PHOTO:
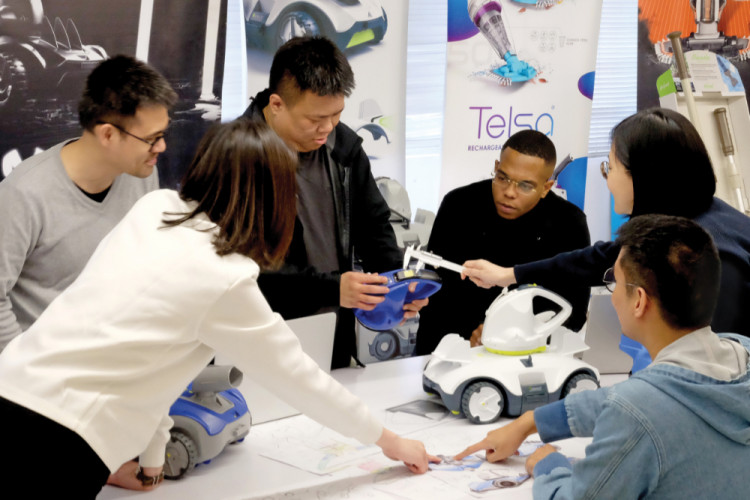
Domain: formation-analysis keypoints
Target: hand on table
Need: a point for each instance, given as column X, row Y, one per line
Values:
column 504, row 441
column 409, row 451
column 362, row 290
column 125, row 477
column 486, row 274
column 537, row 456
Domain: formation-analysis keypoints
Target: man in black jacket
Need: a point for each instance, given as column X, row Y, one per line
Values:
column 341, row 215
column 512, row 218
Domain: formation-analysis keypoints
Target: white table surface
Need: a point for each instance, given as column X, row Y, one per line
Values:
column 241, row 472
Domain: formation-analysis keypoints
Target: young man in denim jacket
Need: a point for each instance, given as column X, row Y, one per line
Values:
column 677, row 429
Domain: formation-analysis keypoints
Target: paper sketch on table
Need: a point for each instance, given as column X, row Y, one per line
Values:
column 309, row 446
column 342, row 468
column 322, row 456
column 477, row 483
column 496, row 479
column 448, row 463
column 499, row 479
column 423, row 486
column 481, row 476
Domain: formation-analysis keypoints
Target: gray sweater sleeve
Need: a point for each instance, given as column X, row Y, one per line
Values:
column 19, row 232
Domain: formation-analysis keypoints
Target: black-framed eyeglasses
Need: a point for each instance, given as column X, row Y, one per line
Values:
column 605, row 168
column 609, row 280
column 146, row 141
column 523, row 187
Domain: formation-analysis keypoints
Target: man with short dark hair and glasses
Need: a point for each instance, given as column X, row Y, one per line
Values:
column 676, row 429
column 57, row 205
column 513, row 218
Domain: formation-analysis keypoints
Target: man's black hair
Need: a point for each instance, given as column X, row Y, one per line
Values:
column 676, row 262
column 118, row 86
column 310, row 63
column 533, row 143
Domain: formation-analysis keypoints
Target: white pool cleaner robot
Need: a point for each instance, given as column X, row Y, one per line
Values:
column 526, row 360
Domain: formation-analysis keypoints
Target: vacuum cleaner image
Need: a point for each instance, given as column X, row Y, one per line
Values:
column 539, row 4
column 707, row 37
column 487, row 15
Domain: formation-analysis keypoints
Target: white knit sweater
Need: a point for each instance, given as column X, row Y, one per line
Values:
column 111, row 354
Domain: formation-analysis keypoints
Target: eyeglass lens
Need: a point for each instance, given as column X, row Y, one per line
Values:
column 604, row 167
column 609, row 279
column 522, row 186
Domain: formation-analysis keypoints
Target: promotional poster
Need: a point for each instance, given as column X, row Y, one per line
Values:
column 48, row 48
column 714, row 39
column 725, row 32
column 372, row 35
column 514, row 65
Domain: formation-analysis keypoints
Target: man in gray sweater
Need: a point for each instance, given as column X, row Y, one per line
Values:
column 56, row 206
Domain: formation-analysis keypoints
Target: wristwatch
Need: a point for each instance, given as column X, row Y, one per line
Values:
column 148, row 480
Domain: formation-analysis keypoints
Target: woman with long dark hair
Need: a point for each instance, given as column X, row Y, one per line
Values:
column 658, row 164
column 93, row 379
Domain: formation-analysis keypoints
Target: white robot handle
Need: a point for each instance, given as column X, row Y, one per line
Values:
column 558, row 319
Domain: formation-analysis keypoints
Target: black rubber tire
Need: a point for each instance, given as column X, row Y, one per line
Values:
column 181, row 455
column 380, row 35
column 384, row 346
column 489, row 394
column 13, row 82
column 308, row 21
column 578, row 383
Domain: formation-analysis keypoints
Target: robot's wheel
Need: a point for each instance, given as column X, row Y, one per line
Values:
column 482, row 402
column 384, row 346
column 13, row 82
column 296, row 23
column 181, row 455
column 579, row 383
